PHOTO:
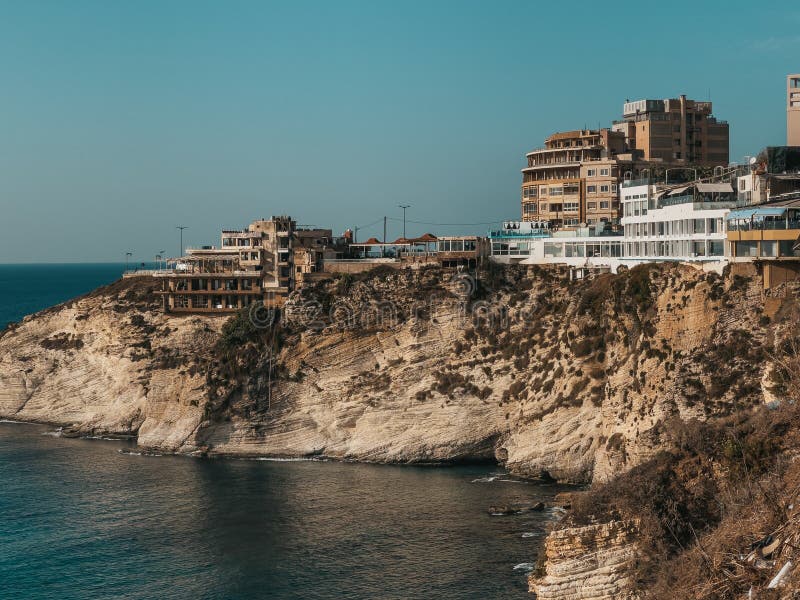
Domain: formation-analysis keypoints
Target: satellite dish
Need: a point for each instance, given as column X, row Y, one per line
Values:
column 752, row 160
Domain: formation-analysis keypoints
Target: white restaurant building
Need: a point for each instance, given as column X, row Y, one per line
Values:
column 680, row 223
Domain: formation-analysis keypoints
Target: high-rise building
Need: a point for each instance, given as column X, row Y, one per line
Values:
column 793, row 110
column 675, row 130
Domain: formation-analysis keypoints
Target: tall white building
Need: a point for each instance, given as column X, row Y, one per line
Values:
column 681, row 222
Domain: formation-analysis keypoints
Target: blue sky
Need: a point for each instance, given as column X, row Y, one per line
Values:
column 121, row 120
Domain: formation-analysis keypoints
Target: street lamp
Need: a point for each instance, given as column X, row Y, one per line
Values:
column 404, row 207
column 127, row 255
column 182, row 227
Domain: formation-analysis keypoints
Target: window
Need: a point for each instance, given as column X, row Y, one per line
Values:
column 591, row 189
column 543, row 190
column 746, row 248
column 604, row 172
column 571, row 207
column 553, row 250
column 794, row 82
column 591, row 205
column 769, row 249
column 603, row 189
column 556, row 208
column 591, row 172
column 614, row 187
column 572, row 188
column 529, row 209
column 557, row 190
column 543, row 207
column 529, row 192
column 604, row 204
column 570, row 221
column 786, row 248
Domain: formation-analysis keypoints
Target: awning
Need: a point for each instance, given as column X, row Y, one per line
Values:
column 678, row 191
column 756, row 212
column 741, row 214
column 707, row 188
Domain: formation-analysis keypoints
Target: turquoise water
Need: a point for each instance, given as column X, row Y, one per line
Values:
column 81, row 520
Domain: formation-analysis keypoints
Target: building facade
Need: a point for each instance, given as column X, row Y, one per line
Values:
column 533, row 242
column 574, row 179
column 675, row 130
column 683, row 223
column 793, row 110
column 250, row 265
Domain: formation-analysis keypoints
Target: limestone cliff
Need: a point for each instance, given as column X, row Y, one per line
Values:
column 573, row 379
column 595, row 562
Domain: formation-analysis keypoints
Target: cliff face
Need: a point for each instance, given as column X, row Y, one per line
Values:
column 595, row 562
column 574, row 379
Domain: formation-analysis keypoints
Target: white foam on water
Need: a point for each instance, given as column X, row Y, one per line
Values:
column 13, row 421
column 524, row 567
column 528, row 534
column 484, row 479
column 289, row 459
column 57, row 433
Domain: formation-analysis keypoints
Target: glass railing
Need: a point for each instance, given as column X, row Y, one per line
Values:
column 792, row 224
column 510, row 233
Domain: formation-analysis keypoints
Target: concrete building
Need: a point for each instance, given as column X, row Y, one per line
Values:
column 793, row 110
column 772, row 176
column 574, row 179
column 675, row 130
column 250, row 265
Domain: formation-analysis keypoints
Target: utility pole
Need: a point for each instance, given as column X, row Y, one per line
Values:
column 181, row 227
column 404, row 207
column 355, row 234
column 383, row 248
column 127, row 254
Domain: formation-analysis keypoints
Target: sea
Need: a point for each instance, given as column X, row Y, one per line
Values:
column 93, row 518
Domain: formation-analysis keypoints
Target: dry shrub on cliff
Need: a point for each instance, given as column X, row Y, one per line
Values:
column 725, row 485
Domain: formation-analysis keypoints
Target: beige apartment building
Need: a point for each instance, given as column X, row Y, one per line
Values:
column 793, row 110
column 575, row 178
column 675, row 130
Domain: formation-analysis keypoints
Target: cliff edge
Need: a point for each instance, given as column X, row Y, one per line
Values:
column 571, row 380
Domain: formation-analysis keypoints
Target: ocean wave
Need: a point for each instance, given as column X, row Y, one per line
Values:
column 13, row 421
column 484, row 479
column 56, row 433
column 524, row 567
column 138, row 452
column 528, row 534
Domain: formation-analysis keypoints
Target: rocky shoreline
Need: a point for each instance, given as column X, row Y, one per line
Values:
column 572, row 381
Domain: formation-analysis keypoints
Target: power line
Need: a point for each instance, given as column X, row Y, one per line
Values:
column 446, row 224
column 370, row 225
